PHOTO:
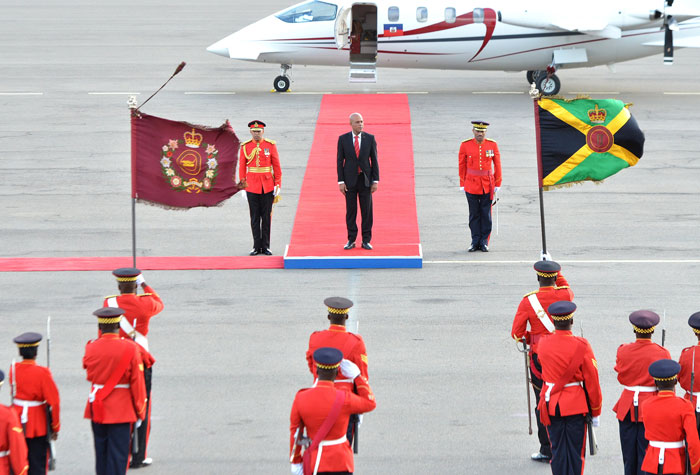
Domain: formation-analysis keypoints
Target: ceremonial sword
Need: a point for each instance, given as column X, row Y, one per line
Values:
column 526, row 354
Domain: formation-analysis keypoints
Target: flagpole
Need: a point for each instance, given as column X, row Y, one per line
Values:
column 535, row 95
column 132, row 112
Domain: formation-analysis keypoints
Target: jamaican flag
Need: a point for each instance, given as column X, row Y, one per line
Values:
column 585, row 139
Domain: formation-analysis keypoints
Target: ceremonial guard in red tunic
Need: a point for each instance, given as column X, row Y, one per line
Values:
column 669, row 425
column 350, row 344
column 571, row 390
column 690, row 367
column 632, row 366
column 35, row 399
column 117, row 395
column 260, row 175
column 13, row 449
column 480, row 179
column 138, row 311
column 324, row 411
column 531, row 312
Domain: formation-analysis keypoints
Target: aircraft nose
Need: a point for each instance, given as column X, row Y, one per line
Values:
column 219, row 48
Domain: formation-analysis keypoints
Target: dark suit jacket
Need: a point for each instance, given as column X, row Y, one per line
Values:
column 348, row 161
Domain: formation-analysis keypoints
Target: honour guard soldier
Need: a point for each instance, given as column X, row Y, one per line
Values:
column 669, row 425
column 36, row 396
column 134, row 324
column 480, row 179
column 571, row 390
column 632, row 366
column 324, row 411
column 13, row 449
column 260, row 175
column 118, row 393
column 690, row 367
column 531, row 311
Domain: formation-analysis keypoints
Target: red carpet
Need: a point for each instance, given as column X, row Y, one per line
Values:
column 319, row 231
column 48, row 264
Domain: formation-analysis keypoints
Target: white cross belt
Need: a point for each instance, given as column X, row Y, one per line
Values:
column 25, row 407
column 322, row 445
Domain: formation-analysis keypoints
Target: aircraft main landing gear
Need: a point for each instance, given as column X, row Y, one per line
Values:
column 282, row 82
column 548, row 83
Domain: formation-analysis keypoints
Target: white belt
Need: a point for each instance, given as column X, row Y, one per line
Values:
column 25, row 405
column 640, row 389
column 697, row 399
column 344, row 380
column 322, row 445
column 95, row 387
column 4, row 453
column 551, row 385
column 663, row 446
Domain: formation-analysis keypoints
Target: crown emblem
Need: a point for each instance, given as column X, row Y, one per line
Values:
column 597, row 116
column 193, row 139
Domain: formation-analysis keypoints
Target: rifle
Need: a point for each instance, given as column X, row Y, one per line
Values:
column 13, row 387
column 592, row 440
column 135, row 430
column 526, row 353
column 49, row 409
column 300, row 440
column 663, row 330
column 688, row 468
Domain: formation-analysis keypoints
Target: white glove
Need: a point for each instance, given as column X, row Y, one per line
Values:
column 138, row 422
column 360, row 417
column 596, row 421
column 495, row 190
column 297, row 469
column 277, row 190
column 139, row 279
column 349, row 369
column 544, row 256
column 461, row 188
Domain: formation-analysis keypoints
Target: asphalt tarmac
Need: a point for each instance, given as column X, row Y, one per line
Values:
column 230, row 345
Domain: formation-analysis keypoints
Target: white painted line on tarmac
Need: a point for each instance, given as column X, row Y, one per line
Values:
column 498, row 92
column 114, row 93
column 210, row 93
column 305, row 93
column 402, row 92
column 594, row 92
column 582, row 261
column 21, row 93
column 682, row 93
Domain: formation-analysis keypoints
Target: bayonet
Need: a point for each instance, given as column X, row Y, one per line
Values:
column 526, row 353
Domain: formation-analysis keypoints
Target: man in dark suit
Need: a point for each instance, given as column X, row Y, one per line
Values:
column 358, row 178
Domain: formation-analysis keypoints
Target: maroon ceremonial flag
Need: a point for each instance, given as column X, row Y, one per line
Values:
column 180, row 165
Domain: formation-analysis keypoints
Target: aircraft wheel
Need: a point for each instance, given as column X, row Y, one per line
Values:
column 282, row 84
column 548, row 86
column 530, row 75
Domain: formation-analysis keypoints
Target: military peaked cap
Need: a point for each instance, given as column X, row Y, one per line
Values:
column 664, row 370
column 126, row 274
column 480, row 124
column 256, row 125
column 547, row 268
column 338, row 305
column 108, row 314
column 694, row 322
column 562, row 310
column 328, row 358
column 27, row 339
column 644, row 321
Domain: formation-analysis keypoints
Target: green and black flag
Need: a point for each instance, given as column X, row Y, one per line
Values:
column 585, row 140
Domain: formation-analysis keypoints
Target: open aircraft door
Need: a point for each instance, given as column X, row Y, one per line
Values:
column 343, row 22
column 356, row 30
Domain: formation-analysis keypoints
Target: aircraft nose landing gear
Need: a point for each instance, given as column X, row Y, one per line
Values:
column 282, row 82
column 546, row 81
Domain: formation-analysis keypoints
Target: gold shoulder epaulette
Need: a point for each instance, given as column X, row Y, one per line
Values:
column 562, row 287
column 243, row 143
column 270, row 140
column 492, row 140
column 531, row 293
column 112, row 296
column 466, row 140
column 145, row 294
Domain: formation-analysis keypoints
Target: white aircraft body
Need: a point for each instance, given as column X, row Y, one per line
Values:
column 505, row 35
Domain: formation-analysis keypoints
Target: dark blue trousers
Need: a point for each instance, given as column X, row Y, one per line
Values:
column 112, row 443
column 37, row 455
column 567, row 434
column 634, row 445
column 479, row 218
column 545, row 448
column 260, row 207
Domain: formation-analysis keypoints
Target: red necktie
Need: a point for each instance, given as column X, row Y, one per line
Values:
column 357, row 152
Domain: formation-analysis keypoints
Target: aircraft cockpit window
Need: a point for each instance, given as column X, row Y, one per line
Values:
column 422, row 14
column 393, row 13
column 450, row 15
column 311, row 11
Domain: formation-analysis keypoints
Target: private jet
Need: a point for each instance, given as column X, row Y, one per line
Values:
column 506, row 35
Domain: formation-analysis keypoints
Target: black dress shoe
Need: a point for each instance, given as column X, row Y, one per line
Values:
column 266, row 251
column 255, row 252
column 366, row 245
column 349, row 245
column 484, row 248
column 473, row 248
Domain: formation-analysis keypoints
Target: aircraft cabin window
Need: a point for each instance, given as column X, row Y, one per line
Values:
column 393, row 13
column 450, row 15
column 311, row 11
column 422, row 14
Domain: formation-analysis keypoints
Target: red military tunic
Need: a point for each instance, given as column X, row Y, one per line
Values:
column 350, row 344
column 632, row 366
column 12, row 441
column 686, row 362
column 35, row 383
column 475, row 163
column 312, row 406
column 669, row 418
column 140, row 308
column 123, row 404
column 556, row 351
column 259, row 166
